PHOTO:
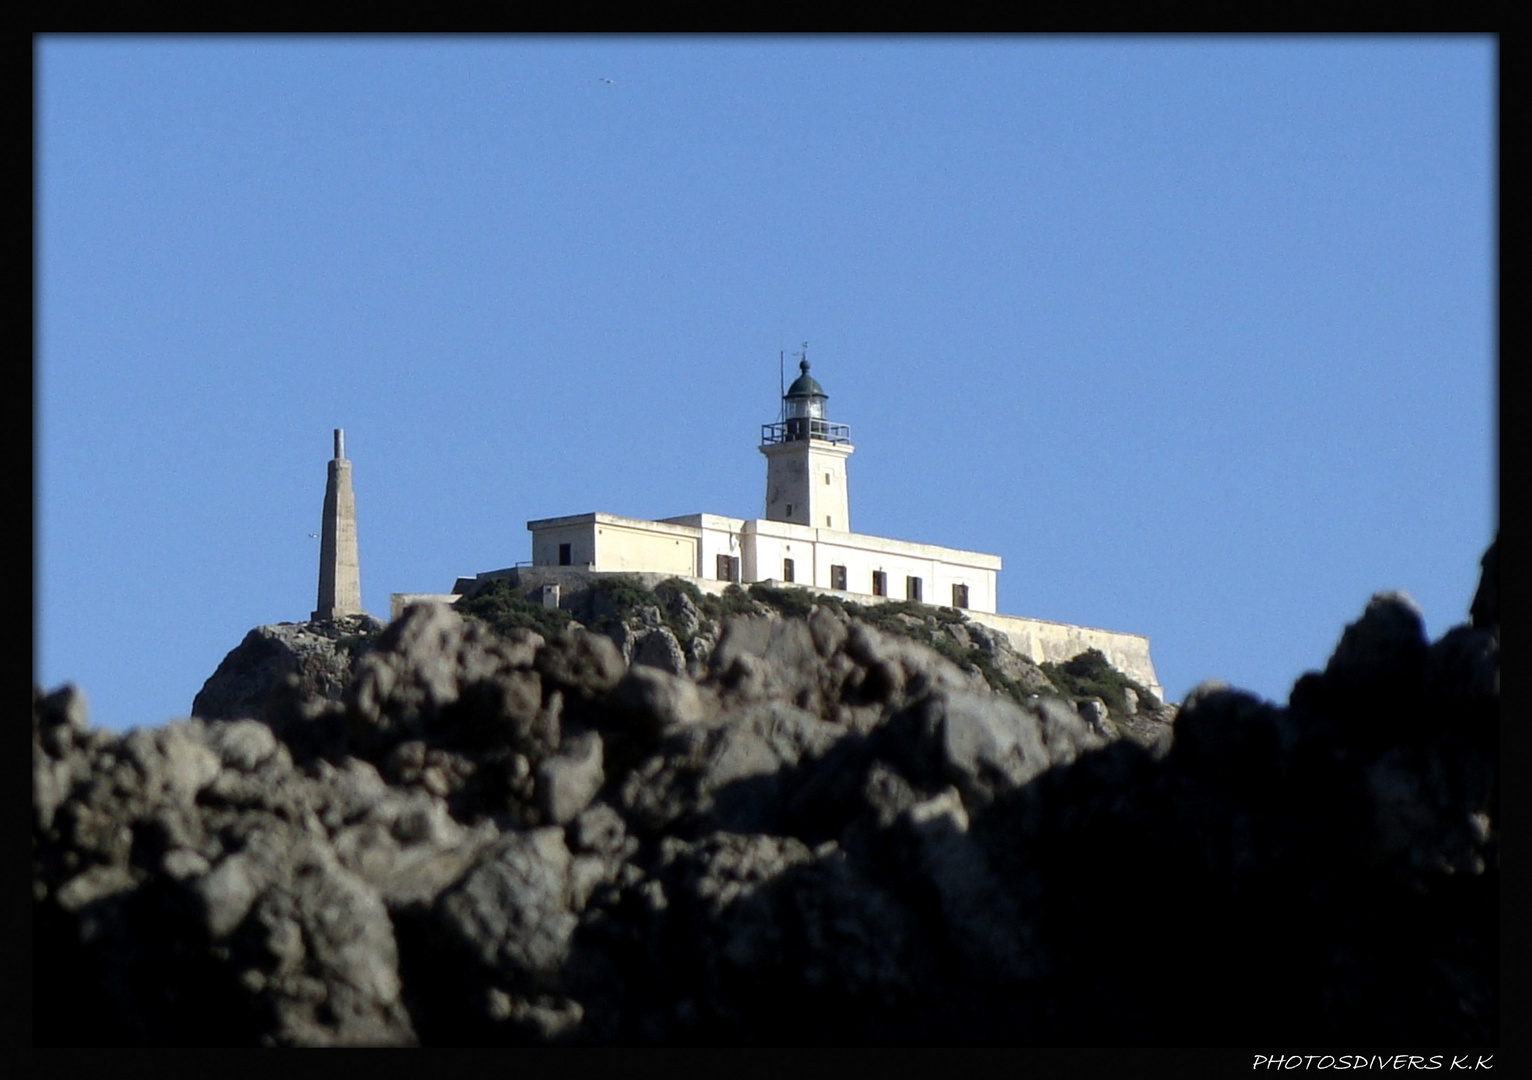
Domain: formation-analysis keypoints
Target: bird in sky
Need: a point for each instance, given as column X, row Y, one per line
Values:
column 609, row 82
column 314, row 535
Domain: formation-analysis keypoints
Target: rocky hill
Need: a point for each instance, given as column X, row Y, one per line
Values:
column 760, row 818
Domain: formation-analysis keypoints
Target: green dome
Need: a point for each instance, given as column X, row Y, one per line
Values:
column 805, row 385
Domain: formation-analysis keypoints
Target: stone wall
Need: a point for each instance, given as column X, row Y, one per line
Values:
column 1042, row 641
column 398, row 601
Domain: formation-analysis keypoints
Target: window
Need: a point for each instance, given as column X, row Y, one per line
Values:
column 789, row 509
column 960, row 596
column 828, row 523
column 827, row 478
column 879, row 583
column 912, row 588
column 566, row 554
column 728, row 568
column 787, row 569
column 838, row 578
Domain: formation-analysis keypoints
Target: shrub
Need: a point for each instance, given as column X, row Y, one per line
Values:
column 793, row 603
column 909, row 618
column 500, row 606
column 1090, row 674
column 667, row 592
column 626, row 594
column 673, row 587
column 734, row 601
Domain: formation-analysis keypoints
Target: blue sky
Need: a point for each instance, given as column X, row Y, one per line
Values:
column 1198, row 334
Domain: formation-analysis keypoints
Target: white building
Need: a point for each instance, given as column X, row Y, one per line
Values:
column 805, row 537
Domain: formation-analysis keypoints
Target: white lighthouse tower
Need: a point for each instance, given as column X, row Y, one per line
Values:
column 806, row 460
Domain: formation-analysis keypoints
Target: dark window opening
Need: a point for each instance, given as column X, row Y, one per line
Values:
column 879, row 583
column 838, row 578
column 728, row 568
column 789, row 509
column 912, row 588
column 566, row 554
column 787, row 569
column 960, row 596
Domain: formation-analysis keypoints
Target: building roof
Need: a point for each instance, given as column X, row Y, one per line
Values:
column 805, row 385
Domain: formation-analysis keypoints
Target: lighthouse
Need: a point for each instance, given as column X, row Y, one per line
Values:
column 806, row 459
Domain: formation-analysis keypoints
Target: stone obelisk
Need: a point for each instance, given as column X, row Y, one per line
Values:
column 340, row 578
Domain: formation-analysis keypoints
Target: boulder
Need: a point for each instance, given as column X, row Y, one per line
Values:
column 659, row 648
column 319, row 655
column 512, row 912
column 570, row 778
column 657, row 699
column 433, row 671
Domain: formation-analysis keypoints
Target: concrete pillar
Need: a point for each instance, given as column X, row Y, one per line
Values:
column 340, row 579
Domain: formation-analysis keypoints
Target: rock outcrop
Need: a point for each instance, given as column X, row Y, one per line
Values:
column 312, row 658
column 817, row 832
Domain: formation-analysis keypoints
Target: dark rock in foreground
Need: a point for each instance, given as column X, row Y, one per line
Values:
column 825, row 834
